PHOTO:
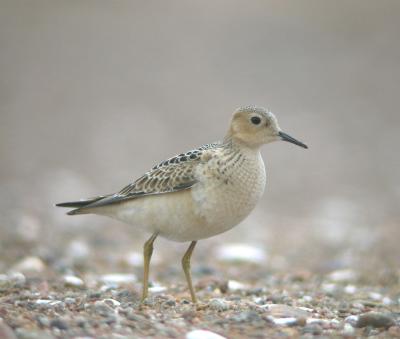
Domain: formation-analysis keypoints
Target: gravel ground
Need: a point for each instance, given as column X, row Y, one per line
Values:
column 40, row 300
column 60, row 280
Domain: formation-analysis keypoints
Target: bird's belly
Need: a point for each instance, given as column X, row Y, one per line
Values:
column 172, row 215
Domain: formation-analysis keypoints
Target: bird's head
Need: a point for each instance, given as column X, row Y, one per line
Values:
column 255, row 126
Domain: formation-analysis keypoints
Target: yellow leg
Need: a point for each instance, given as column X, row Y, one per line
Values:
column 147, row 252
column 186, row 269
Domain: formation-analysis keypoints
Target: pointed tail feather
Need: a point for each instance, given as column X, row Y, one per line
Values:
column 81, row 210
column 79, row 205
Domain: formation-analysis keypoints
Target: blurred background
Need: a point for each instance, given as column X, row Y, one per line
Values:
column 93, row 94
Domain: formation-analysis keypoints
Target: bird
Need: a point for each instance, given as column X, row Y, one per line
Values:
column 197, row 194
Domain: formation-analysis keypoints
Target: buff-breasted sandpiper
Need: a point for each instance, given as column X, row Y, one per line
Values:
column 197, row 194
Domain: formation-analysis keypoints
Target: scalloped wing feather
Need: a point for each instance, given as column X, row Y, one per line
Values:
column 172, row 175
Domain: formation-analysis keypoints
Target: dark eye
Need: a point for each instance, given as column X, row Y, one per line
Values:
column 255, row 120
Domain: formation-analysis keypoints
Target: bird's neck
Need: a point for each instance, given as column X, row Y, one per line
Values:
column 240, row 146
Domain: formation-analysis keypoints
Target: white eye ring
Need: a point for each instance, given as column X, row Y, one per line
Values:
column 256, row 120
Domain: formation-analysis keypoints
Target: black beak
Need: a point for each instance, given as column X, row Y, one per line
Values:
column 288, row 138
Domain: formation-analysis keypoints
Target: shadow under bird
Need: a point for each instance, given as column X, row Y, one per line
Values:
column 197, row 194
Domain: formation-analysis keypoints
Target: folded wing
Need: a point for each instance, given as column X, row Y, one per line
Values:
column 172, row 175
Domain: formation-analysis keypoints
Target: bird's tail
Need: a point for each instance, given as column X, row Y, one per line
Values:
column 80, row 207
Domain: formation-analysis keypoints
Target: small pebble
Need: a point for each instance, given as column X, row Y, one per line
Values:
column 387, row 301
column 218, row 305
column 375, row 296
column 170, row 303
column 43, row 321
column 290, row 321
column 29, row 265
column 348, row 330
column 118, row 278
column 43, row 301
column 103, row 308
column 286, row 311
column 94, row 295
column 17, row 278
column 157, row 288
column 71, row 280
column 375, row 319
column 350, row 289
column 352, row 320
column 108, row 287
column 307, row 309
column 246, row 316
column 241, row 253
column 345, row 275
column 70, row 301
column 234, row 285
column 59, row 323
column 111, row 302
column 125, row 295
column 203, row 334
column 317, row 321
